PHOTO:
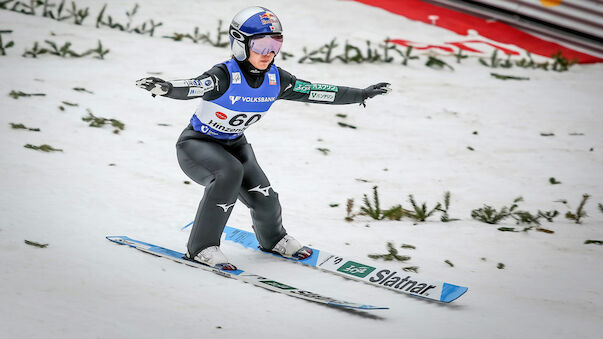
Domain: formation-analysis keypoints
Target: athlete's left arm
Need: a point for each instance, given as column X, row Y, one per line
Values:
column 305, row 91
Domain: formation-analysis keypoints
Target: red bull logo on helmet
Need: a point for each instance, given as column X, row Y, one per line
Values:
column 268, row 18
column 266, row 15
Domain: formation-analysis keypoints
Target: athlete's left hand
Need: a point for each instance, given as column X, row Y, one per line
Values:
column 374, row 90
column 154, row 85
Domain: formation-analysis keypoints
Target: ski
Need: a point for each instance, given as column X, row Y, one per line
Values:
column 387, row 278
column 254, row 279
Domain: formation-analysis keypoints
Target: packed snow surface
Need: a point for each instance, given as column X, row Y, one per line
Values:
column 461, row 131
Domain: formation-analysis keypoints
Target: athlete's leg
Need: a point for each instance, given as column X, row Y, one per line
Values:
column 257, row 193
column 210, row 165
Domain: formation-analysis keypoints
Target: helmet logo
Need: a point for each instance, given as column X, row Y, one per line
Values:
column 268, row 18
column 237, row 35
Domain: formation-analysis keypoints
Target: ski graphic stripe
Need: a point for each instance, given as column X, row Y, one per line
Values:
column 254, row 279
column 397, row 281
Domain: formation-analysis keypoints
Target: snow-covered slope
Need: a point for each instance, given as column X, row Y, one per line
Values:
column 414, row 141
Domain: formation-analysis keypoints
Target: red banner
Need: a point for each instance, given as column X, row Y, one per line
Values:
column 460, row 23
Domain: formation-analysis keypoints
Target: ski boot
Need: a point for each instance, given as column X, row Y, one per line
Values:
column 289, row 247
column 213, row 257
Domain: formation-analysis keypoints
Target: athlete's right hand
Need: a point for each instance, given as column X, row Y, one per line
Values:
column 154, row 85
column 374, row 90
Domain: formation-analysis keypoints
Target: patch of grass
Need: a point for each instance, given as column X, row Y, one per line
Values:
column 500, row 266
column 548, row 215
column 580, row 212
column 18, row 94
column 197, row 37
column 445, row 217
column 82, row 89
column 78, row 15
column 507, row 77
column 525, row 217
column 373, row 210
column 507, row 229
column 490, row 215
column 544, row 230
column 324, row 151
column 343, row 124
column 391, row 255
column 349, row 210
column 396, row 213
column 529, row 63
column 147, row 27
column 36, row 244
column 414, row 269
column 98, row 122
column 43, row 148
column 3, row 46
column 421, row 213
column 406, row 56
column 449, row 263
column 561, row 63
column 460, row 56
column 595, row 242
column 554, row 181
column 21, row 126
column 99, row 52
column 64, row 51
column 436, row 63
column 496, row 62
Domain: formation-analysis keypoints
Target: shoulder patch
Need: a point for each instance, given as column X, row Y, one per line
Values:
column 301, row 87
column 236, row 77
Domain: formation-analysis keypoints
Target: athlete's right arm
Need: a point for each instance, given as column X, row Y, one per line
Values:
column 209, row 86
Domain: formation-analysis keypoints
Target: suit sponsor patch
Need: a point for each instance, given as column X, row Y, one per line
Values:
column 236, row 77
column 322, row 96
column 301, row 87
column 324, row 87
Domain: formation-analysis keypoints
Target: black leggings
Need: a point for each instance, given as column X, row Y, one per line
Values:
column 228, row 170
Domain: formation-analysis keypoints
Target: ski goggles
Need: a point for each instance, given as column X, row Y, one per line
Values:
column 264, row 44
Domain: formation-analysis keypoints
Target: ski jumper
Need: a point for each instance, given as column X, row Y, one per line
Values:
column 230, row 171
column 214, row 152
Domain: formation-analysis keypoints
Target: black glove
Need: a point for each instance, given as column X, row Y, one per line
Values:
column 380, row 88
column 154, row 85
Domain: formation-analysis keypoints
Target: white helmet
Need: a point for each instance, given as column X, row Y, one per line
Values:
column 249, row 22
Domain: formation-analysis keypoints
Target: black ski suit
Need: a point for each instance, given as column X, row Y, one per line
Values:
column 228, row 168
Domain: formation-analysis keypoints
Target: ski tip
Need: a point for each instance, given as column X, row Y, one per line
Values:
column 452, row 292
column 115, row 238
